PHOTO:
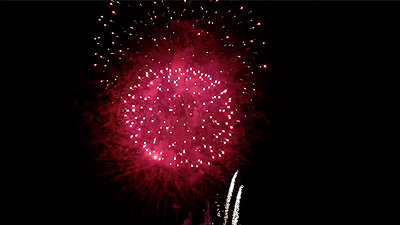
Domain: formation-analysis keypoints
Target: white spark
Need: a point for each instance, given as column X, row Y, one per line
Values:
column 235, row 216
column 229, row 196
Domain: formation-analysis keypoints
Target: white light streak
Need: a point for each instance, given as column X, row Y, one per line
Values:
column 235, row 216
column 229, row 196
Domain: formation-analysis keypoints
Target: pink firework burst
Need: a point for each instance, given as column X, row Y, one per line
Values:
column 178, row 87
column 181, row 117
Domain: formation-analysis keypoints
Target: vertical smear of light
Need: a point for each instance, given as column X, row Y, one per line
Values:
column 229, row 196
column 235, row 216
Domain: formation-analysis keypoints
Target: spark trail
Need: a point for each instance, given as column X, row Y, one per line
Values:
column 229, row 196
column 235, row 216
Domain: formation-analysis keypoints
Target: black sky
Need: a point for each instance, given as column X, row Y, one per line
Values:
column 311, row 48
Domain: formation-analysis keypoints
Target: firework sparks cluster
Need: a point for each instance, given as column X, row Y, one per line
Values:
column 181, row 116
column 179, row 77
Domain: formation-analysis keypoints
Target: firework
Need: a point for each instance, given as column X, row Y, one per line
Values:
column 229, row 196
column 178, row 82
column 181, row 116
column 235, row 216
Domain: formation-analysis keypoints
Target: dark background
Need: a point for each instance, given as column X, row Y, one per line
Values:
column 316, row 56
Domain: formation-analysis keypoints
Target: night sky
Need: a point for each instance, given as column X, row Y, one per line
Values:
column 287, row 179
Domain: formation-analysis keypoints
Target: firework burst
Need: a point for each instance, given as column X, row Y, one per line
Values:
column 177, row 83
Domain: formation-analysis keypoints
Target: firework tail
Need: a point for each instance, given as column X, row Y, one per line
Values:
column 235, row 216
column 229, row 196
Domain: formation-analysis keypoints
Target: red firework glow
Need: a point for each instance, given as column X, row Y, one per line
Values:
column 178, row 101
column 180, row 116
